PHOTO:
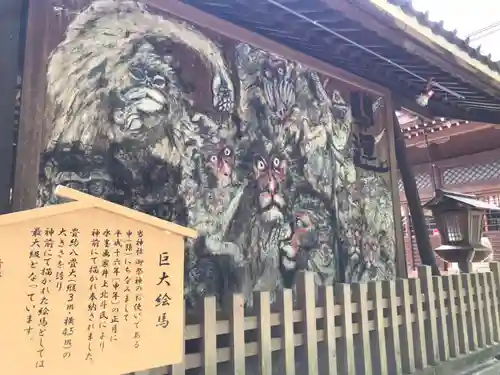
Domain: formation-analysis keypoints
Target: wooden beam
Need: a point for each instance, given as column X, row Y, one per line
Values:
column 31, row 122
column 412, row 196
column 417, row 140
column 10, row 28
column 439, row 109
column 400, row 251
column 230, row 30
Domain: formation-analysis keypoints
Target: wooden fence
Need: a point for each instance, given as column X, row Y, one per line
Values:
column 389, row 327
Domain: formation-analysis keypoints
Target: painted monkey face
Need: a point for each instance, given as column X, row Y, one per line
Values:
column 270, row 174
column 275, row 69
column 304, row 235
column 222, row 164
column 138, row 105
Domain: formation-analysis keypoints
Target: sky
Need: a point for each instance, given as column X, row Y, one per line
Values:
column 466, row 16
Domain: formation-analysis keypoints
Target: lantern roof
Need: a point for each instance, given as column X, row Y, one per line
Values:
column 442, row 197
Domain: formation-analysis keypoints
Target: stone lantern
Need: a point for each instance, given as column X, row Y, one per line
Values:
column 459, row 219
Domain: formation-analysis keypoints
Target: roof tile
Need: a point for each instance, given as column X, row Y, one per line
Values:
column 451, row 36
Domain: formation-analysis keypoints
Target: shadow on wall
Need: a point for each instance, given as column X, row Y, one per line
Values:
column 258, row 153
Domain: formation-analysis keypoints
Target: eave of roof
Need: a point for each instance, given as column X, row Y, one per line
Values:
column 305, row 28
column 418, row 26
column 450, row 36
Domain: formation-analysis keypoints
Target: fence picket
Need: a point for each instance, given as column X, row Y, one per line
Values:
column 360, row 296
column 262, row 302
column 471, row 319
column 347, row 363
column 209, row 346
column 306, row 296
column 419, row 332
column 462, row 321
column 452, row 316
column 389, row 290
column 444, row 349
column 425, row 276
column 375, row 294
column 465, row 307
column 237, row 327
column 487, row 306
column 287, row 334
column 481, row 334
column 495, row 270
column 330, row 330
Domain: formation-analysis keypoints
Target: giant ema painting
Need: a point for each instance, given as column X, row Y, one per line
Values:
column 278, row 167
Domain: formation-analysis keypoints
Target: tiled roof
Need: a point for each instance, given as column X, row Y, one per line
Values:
column 451, row 36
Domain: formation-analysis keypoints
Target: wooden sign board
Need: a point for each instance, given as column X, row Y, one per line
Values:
column 90, row 287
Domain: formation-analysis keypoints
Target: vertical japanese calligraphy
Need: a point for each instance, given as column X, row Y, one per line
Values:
column 162, row 301
column 92, row 302
column 116, row 285
column 46, row 276
column 69, row 287
column 139, row 271
column 128, row 274
column 104, row 281
column 34, row 323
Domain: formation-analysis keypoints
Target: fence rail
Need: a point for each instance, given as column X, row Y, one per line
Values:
column 388, row 327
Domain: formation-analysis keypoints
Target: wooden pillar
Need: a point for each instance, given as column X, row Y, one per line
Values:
column 10, row 44
column 414, row 205
column 400, row 253
column 32, row 117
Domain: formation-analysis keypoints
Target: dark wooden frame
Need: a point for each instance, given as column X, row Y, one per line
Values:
column 11, row 23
